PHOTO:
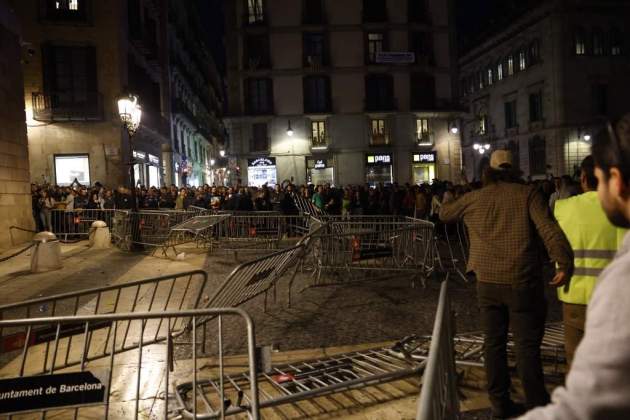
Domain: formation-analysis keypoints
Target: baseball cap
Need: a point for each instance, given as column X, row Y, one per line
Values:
column 501, row 159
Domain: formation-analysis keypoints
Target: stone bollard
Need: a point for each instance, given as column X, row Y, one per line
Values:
column 100, row 238
column 46, row 254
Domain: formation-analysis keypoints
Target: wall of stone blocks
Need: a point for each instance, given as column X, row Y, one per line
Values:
column 15, row 198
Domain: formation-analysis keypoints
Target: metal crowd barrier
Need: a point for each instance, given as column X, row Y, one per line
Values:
column 258, row 232
column 438, row 395
column 306, row 206
column 122, row 385
column 453, row 237
column 73, row 224
column 354, row 247
column 166, row 293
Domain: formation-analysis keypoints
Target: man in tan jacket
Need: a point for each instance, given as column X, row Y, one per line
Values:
column 505, row 220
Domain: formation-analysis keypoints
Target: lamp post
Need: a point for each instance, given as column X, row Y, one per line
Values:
column 130, row 115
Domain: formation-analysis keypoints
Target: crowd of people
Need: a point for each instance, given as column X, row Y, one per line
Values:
column 422, row 201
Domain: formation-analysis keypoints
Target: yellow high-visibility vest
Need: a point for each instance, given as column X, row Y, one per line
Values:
column 594, row 241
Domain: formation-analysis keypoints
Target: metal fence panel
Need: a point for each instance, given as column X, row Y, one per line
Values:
column 77, row 224
column 132, row 390
column 438, row 396
column 166, row 293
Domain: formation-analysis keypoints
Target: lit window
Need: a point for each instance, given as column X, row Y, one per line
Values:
column 319, row 133
column 67, row 4
column 255, row 11
column 490, row 77
column 521, row 60
column 616, row 42
column 500, row 71
column 375, row 45
column 510, row 65
column 423, row 135
column 483, row 123
column 580, row 42
column 598, row 42
column 379, row 136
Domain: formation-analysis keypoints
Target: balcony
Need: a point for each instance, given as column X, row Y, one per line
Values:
column 379, row 140
column 424, row 139
column 381, row 104
column 67, row 106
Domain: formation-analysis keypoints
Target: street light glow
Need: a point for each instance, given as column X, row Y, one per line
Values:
column 222, row 153
column 454, row 130
column 289, row 130
column 481, row 148
column 587, row 137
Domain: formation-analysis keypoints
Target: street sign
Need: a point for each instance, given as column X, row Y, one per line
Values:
column 50, row 391
column 395, row 57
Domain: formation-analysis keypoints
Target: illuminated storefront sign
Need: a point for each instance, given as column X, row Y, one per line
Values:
column 428, row 157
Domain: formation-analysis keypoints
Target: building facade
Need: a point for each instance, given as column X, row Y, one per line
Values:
column 15, row 194
column 544, row 86
column 82, row 55
column 344, row 92
column 197, row 130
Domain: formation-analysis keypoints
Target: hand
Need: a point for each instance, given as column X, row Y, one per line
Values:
column 559, row 279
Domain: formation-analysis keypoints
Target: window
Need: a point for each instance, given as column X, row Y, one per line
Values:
column 176, row 139
column 537, row 156
column 259, row 96
column 313, row 12
column 375, row 44
column 598, row 42
column 489, row 76
column 318, row 134
column 500, row 71
column 69, row 168
column 257, row 51
column 481, row 80
column 416, row 11
column 374, row 11
column 66, row 10
column 483, row 125
column 423, row 134
column 70, row 80
column 535, row 107
column 378, row 133
column 260, row 140
column 422, row 91
column 510, row 65
column 534, row 52
column 420, row 43
column 516, row 157
column 316, row 94
column 522, row 64
column 580, row 42
column 315, row 53
column 379, row 90
column 510, row 114
column 600, row 99
column 616, row 42
column 255, row 12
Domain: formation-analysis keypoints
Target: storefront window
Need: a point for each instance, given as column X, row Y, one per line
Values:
column 423, row 167
column 69, row 168
column 379, row 169
column 261, row 171
column 154, row 176
column 320, row 172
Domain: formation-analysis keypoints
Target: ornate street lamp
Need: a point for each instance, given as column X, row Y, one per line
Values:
column 481, row 148
column 289, row 130
column 130, row 115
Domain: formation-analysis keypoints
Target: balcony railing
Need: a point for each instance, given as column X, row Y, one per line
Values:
column 378, row 139
column 67, row 106
column 320, row 142
column 381, row 104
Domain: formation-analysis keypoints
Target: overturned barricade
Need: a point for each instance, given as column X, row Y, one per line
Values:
column 354, row 248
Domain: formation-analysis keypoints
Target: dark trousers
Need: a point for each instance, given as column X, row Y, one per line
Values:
column 525, row 308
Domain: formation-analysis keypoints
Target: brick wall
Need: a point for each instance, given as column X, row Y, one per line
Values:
column 15, row 198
